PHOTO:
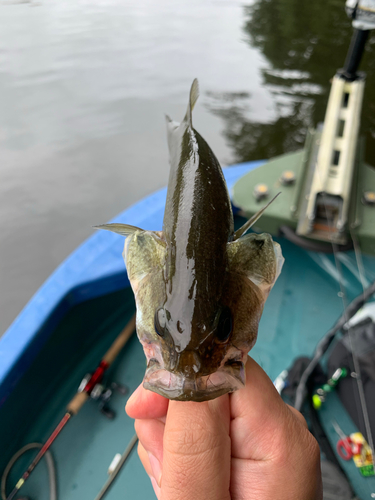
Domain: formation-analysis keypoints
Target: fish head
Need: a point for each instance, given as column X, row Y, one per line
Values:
column 196, row 349
column 210, row 360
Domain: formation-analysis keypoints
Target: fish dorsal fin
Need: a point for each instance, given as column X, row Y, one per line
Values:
column 242, row 230
column 194, row 94
column 123, row 229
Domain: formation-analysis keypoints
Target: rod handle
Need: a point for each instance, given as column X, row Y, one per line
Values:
column 119, row 343
column 77, row 402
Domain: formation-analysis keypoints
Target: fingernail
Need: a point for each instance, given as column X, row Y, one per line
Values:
column 156, row 487
column 155, row 467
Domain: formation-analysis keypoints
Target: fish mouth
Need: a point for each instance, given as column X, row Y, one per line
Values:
column 229, row 377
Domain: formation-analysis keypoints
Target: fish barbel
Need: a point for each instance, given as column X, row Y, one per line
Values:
column 199, row 286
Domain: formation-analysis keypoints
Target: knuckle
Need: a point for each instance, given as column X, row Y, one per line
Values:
column 313, row 448
column 293, row 442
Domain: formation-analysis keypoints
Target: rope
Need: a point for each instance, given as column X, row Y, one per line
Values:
column 50, row 465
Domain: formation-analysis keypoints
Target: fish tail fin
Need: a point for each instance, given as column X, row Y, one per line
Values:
column 123, row 229
column 194, row 94
column 242, row 230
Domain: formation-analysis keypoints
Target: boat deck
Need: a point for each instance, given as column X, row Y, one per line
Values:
column 73, row 319
column 295, row 318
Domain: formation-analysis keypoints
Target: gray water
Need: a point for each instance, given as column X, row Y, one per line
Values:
column 84, row 86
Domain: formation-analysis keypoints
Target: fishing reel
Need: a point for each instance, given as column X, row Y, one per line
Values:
column 101, row 393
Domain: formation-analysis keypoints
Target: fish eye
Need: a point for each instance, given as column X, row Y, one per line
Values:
column 160, row 321
column 225, row 325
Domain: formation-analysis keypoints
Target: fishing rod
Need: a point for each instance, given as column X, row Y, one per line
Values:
column 102, row 493
column 89, row 384
column 363, row 20
column 326, row 341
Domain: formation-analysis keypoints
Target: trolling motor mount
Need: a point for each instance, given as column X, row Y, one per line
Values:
column 332, row 197
column 328, row 197
column 362, row 13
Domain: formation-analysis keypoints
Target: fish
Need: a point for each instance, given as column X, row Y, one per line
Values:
column 199, row 285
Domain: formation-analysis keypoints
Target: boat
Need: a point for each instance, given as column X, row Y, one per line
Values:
column 73, row 319
column 70, row 359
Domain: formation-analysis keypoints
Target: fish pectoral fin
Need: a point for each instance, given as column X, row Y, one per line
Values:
column 145, row 253
column 123, row 229
column 193, row 97
column 242, row 230
column 257, row 257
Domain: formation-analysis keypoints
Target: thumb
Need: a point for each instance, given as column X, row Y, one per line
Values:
column 197, row 451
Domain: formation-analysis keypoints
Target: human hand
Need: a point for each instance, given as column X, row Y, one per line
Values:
column 242, row 446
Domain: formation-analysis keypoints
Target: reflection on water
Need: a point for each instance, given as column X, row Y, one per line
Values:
column 304, row 43
column 84, row 86
column 252, row 140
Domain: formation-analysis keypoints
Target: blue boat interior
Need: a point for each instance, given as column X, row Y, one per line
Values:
column 80, row 327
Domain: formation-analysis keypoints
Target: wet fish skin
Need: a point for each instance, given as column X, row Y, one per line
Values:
column 200, row 287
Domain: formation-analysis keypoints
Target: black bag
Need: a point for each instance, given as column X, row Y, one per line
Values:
column 361, row 339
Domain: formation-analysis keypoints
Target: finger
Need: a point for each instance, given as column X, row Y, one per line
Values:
column 274, row 441
column 258, row 413
column 146, row 404
column 142, row 453
column 271, row 444
column 150, row 434
column 146, row 464
column 296, row 477
column 298, row 415
column 196, row 461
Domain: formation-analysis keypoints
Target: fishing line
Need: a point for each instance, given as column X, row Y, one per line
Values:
column 50, row 465
column 327, row 339
column 357, row 368
column 356, row 364
column 359, row 260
